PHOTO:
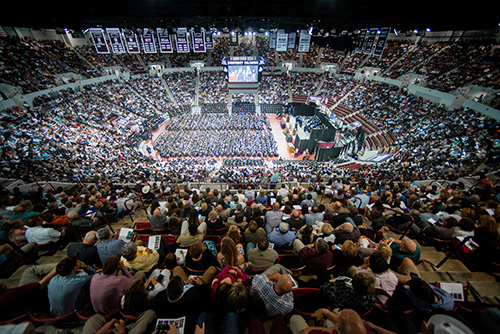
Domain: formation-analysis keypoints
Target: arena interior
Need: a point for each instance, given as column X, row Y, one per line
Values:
column 284, row 167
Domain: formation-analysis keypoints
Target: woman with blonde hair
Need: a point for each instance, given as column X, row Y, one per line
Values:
column 229, row 254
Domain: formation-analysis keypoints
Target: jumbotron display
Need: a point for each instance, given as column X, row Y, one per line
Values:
column 243, row 69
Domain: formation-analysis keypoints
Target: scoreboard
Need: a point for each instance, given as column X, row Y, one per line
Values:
column 243, row 74
column 243, row 69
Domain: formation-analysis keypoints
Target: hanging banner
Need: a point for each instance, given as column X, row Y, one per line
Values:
column 164, row 41
column 148, row 42
column 115, row 40
column 131, row 42
column 291, row 40
column 281, row 41
column 198, row 39
column 233, row 38
column 209, row 40
column 97, row 35
column 382, row 40
column 304, row 41
column 182, row 41
column 361, row 41
column 272, row 40
column 370, row 41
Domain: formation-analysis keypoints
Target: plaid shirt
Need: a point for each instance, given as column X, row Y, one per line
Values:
column 262, row 292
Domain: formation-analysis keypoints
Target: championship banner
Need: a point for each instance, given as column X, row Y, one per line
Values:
column 272, row 40
column 198, row 39
column 304, row 41
column 164, row 41
column 370, row 41
column 99, row 40
column 291, row 40
column 281, row 41
column 209, row 40
column 382, row 40
column 182, row 41
column 115, row 40
column 361, row 41
column 131, row 42
column 148, row 42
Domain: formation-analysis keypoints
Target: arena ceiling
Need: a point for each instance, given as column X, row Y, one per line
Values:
column 257, row 14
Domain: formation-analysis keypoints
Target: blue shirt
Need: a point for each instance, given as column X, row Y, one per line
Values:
column 64, row 291
column 280, row 239
column 109, row 247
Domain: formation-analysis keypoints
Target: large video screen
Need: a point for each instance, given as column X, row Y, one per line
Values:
column 243, row 73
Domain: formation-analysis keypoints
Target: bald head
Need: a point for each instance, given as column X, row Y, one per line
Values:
column 408, row 245
column 276, row 206
column 350, row 322
column 284, row 284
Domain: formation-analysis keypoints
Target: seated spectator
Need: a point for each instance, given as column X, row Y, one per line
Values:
column 50, row 219
column 199, row 258
column 308, row 201
column 316, row 255
column 262, row 198
column 158, row 220
column 295, row 222
column 281, row 236
column 346, row 231
column 214, row 222
column 426, row 297
column 272, row 218
column 86, row 251
column 229, row 254
column 20, row 212
column 250, row 194
column 326, row 233
column 344, row 257
column 69, row 289
column 272, row 291
column 234, row 233
column 135, row 299
column 174, row 223
column 43, row 235
column 108, row 287
column 355, row 293
column 108, row 245
column 139, row 258
column 404, row 248
column 230, row 302
column 252, row 235
column 314, row 216
column 179, row 300
column 385, row 280
column 191, row 233
column 262, row 257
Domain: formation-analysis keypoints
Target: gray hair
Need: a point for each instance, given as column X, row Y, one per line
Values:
column 129, row 250
column 103, row 233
